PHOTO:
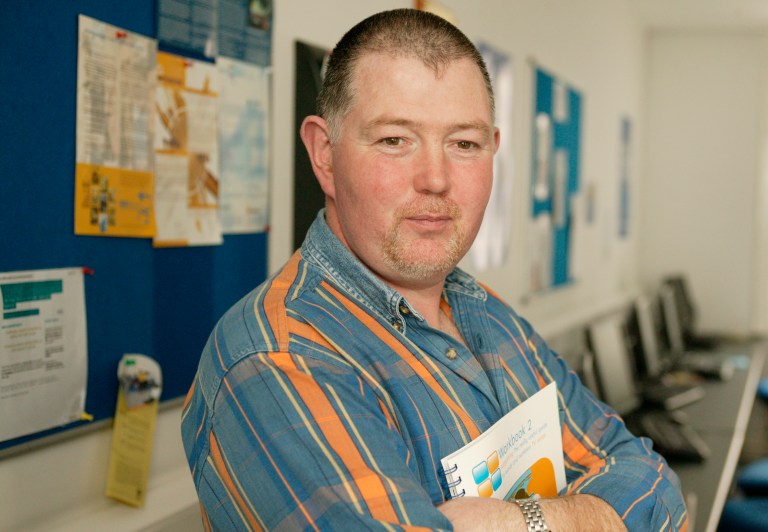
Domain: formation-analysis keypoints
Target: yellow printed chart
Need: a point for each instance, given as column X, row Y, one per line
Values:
column 113, row 202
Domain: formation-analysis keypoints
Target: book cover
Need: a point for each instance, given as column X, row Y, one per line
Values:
column 520, row 456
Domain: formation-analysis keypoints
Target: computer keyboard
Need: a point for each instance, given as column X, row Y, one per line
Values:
column 671, row 396
column 707, row 366
column 673, row 438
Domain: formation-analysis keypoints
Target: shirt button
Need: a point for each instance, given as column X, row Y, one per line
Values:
column 397, row 325
column 451, row 354
column 404, row 309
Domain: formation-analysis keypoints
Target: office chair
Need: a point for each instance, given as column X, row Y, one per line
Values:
column 744, row 514
column 752, row 480
column 762, row 389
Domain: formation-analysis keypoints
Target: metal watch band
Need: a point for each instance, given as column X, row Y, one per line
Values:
column 534, row 518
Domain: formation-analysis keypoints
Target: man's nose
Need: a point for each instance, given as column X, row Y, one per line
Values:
column 432, row 171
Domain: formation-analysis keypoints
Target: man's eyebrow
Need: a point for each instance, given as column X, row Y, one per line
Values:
column 476, row 125
column 385, row 121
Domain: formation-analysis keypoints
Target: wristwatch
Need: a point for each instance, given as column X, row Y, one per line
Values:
column 534, row 518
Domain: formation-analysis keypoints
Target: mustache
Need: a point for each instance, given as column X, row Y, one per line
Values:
column 432, row 207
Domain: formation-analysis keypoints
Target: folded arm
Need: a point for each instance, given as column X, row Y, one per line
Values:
column 573, row 512
column 605, row 460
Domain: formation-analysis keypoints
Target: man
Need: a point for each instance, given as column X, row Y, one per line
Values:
column 326, row 398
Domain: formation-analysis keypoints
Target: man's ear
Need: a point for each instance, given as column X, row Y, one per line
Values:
column 316, row 137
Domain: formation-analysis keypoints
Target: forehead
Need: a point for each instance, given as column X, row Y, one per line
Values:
column 409, row 84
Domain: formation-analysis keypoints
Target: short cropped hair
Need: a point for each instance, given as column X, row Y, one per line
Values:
column 398, row 33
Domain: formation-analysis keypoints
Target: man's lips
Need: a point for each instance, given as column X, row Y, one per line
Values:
column 429, row 221
column 429, row 217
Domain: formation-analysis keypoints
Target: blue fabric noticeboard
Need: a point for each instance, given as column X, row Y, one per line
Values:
column 159, row 302
column 556, row 150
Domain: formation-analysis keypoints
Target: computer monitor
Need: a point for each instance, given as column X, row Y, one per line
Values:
column 660, row 326
column 671, row 315
column 686, row 312
column 644, row 325
column 606, row 337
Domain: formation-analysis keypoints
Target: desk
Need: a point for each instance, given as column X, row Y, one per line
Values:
column 721, row 418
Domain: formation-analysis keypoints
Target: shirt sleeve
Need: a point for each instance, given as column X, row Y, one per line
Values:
column 296, row 443
column 603, row 458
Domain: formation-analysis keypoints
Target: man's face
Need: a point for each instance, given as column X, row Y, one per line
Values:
column 413, row 167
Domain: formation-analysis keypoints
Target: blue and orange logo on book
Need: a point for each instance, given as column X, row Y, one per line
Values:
column 487, row 475
column 539, row 479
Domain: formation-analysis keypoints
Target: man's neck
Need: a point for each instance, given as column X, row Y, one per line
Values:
column 424, row 296
column 427, row 302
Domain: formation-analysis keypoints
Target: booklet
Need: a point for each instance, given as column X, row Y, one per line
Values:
column 520, row 456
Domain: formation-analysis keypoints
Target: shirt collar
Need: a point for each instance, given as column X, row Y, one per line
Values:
column 323, row 248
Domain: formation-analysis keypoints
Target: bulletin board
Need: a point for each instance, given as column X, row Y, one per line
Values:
column 161, row 302
column 555, row 177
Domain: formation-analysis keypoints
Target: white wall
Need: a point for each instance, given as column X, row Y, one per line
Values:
column 593, row 44
column 702, row 193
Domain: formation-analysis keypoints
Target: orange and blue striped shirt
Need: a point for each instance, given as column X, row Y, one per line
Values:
column 324, row 401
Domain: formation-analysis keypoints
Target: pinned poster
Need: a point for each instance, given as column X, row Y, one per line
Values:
column 245, row 30
column 43, row 350
column 188, row 25
column 186, row 153
column 244, row 119
column 218, row 28
column 114, row 182
column 141, row 384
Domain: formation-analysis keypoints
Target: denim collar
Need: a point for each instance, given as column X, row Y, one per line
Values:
column 324, row 249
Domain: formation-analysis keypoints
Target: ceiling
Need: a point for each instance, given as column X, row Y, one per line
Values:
column 725, row 14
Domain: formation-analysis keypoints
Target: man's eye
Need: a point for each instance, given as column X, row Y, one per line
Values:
column 465, row 145
column 392, row 141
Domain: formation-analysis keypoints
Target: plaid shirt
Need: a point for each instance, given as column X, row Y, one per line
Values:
column 324, row 401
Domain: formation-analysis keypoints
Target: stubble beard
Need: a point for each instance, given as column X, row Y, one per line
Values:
column 412, row 260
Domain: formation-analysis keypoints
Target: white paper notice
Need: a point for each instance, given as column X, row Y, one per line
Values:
column 114, row 181
column 244, row 145
column 43, row 350
column 116, row 78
